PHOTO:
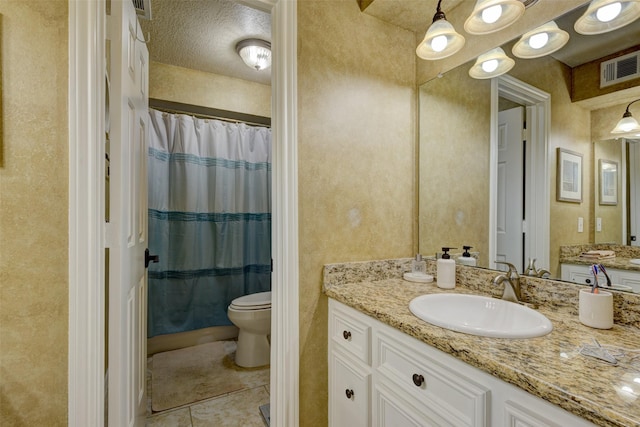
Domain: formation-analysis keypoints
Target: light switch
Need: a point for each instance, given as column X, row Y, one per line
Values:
column 598, row 224
column 580, row 224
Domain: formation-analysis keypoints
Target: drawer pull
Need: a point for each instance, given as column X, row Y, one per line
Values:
column 418, row 380
column 349, row 393
column 346, row 335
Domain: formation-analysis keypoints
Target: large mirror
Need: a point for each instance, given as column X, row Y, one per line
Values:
column 467, row 196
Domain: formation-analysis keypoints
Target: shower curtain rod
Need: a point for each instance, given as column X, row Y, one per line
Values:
column 208, row 113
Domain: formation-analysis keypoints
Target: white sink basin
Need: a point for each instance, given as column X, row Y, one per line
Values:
column 478, row 315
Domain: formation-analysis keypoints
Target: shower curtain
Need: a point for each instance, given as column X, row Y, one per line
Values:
column 209, row 219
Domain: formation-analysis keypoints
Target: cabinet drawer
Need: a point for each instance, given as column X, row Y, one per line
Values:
column 349, row 331
column 441, row 390
column 349, row 396
column 391, row 409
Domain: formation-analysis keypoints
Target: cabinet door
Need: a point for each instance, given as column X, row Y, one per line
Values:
column 390, row 409
column 629, row 278
column 349, row 395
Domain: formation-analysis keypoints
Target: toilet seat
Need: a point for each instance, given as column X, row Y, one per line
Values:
column 257, row 301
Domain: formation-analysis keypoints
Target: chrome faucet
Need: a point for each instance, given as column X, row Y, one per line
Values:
column 531, row 269
column 512, row 279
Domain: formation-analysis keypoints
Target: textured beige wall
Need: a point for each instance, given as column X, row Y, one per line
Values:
column 356, row 139
column 455, row 117
column 33, row 214
column 188, row 86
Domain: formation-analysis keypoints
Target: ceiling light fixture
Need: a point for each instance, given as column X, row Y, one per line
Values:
column 627, row 124
column 255, row 53
column 489, row 16
column 542, row 41
column 441, row 39
column 607, row 15
column 491, row 64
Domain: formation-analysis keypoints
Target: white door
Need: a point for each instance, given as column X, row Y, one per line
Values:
column 510, row 194
column 634, row 192
column 127, row 228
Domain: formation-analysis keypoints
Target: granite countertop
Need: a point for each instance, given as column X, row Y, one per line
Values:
column 570, row 254
column 620, row 263
column 549, row 367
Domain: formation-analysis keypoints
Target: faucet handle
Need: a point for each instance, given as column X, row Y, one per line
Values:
column 513, row 271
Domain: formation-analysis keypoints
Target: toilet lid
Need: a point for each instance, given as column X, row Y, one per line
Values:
column 252, row 301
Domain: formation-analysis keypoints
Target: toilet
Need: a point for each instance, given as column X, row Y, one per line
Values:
column 252, row 315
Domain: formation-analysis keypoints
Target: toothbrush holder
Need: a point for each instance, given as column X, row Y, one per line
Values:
column 596, row 309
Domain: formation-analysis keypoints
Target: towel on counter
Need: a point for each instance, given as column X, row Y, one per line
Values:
column 598, row 255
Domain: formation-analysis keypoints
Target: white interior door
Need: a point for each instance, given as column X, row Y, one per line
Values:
column 127, row 229
column 634, row 192
column 510, row 194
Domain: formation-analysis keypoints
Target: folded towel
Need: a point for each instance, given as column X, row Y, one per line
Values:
column 597, row 255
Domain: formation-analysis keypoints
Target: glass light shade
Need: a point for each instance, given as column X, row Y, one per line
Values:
column 255, row 53
column 627, row 124
column 600, row 17
column 486, row 18
column 440, row 41
column 491, row 64
column 526, row 47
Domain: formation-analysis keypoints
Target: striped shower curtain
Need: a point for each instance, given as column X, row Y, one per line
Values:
column 209, row 219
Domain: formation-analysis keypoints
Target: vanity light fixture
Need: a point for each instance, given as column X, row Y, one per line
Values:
column 542, row 41
column 441, row 39
column 627, row 124
column 607, row 15
column 489, row 16
column 255, row 53
column 491, row 64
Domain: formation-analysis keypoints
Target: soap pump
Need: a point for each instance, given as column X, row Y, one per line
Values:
column 419, row 265
column 466, row 258
column 446, row 270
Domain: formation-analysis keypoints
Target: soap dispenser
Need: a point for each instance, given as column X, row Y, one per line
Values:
column 419, row 265
column 466, row 258
column 446, row 270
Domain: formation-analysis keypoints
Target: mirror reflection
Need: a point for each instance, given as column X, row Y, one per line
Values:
column 479, row 188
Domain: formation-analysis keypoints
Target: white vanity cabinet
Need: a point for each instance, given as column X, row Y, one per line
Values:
column 579, row 273
column 379, row 376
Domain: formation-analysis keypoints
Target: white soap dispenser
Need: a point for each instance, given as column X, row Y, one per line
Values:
column 466, row 258
column 446, row 271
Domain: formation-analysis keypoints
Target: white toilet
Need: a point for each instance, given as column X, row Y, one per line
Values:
column 252, row 315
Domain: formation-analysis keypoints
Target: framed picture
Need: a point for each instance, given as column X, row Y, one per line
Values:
column 569, row 176
column 608, row 182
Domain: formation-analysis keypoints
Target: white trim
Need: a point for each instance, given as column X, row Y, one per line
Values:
column 86, row 214
column 538, row 201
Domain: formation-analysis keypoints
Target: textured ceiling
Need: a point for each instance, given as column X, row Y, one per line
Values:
column 202, row 35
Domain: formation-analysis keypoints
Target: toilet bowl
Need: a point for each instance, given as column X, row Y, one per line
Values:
column 252, row 315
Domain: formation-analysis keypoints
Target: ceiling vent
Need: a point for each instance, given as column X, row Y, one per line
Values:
column 143, row 8
column 620, row 69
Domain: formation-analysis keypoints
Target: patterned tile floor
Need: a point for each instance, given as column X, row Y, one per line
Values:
column 239, row 408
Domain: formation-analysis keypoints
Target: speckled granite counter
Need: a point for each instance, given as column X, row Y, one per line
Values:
column 624, row 254
column 549, row 367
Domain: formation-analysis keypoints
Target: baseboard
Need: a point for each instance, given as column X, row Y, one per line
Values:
column 161, row 343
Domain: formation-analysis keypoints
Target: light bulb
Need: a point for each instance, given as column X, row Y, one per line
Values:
column 609, row 12
column 539, row 40
column 439, row 43
column 492, row 14
column 490, row 65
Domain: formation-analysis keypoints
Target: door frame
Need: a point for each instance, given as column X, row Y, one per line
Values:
column 537, row 198
column 87, row 241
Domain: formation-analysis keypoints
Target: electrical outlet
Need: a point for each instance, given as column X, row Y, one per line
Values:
column 580, row 224
column 598, row 224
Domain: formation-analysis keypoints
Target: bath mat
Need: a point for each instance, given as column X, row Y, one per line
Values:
column 191, row 374
column 265, row 410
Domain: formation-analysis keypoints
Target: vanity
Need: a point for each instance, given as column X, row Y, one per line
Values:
column 389, row 368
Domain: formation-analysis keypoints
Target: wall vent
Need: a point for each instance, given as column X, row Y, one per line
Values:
column 143, row 8
column 620, row 69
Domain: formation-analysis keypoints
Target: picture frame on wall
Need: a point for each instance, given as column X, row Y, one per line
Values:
column 608, row 177
column 569, row 176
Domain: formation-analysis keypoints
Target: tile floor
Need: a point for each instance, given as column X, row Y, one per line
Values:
column 239, row 408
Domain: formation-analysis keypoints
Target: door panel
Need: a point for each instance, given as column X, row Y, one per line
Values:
column 128, row 224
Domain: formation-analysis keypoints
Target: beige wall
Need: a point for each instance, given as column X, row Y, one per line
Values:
column 188, row 86
column 33, row 214
column 356, row 120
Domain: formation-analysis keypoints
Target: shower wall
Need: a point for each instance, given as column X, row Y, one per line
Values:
column 187, row 86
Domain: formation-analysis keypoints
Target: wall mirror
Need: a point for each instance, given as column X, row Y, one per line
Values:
column 459, row 117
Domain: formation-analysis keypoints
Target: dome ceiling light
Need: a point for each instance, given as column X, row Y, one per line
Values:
column 603, row 16
column 491, row 64
column 489, row 16
column 255, row 53
column 627, row 123
column 541, row 41
column 441, row 39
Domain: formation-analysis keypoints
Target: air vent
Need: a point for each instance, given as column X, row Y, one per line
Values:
column 143, row 8
column 620, row 69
